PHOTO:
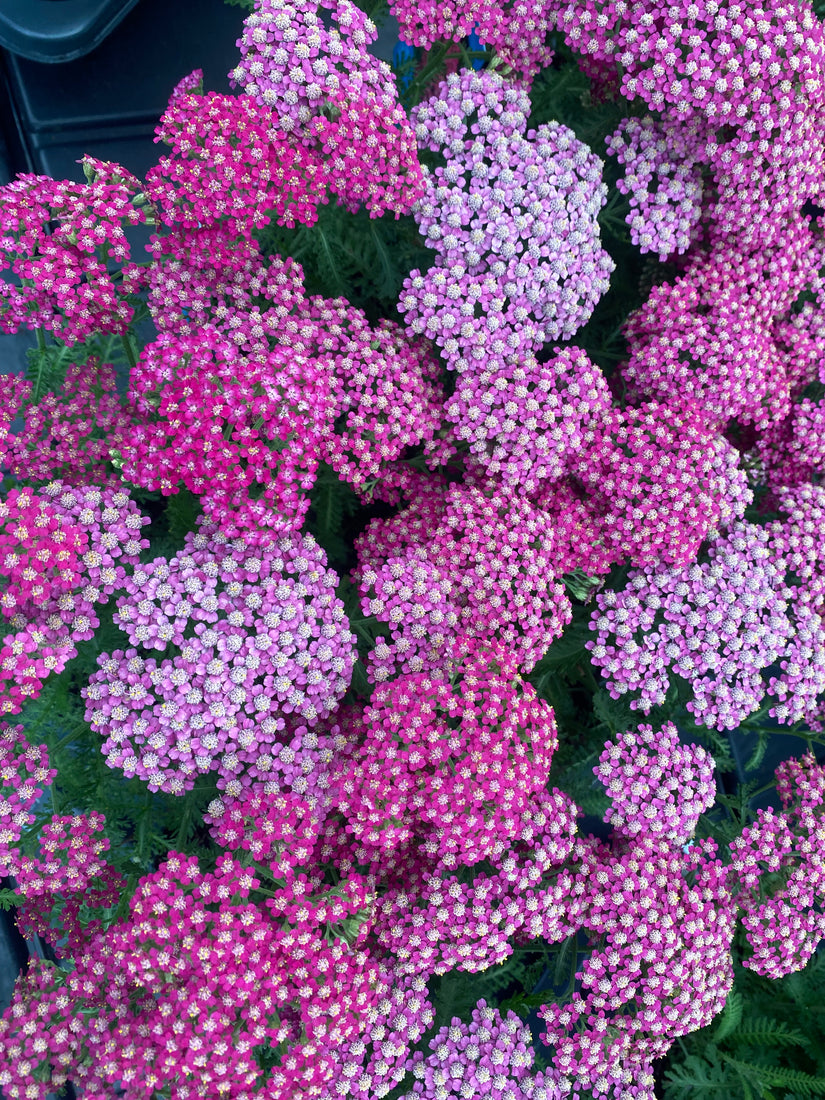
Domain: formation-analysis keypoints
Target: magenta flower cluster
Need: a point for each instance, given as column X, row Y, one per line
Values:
column 77, row 543
column 56, row 238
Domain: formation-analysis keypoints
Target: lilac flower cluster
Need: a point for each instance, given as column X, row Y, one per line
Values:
column 718, row 625
column 492, row 1056
column 257, row 636
column 519, row 255
column 663, row 178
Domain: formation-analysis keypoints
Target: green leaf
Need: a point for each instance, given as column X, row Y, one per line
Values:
column 182, row 511
column 730, row 1017
column 9, row 899
column 695, row 1079
column 803, row 1083
column 761, row 1032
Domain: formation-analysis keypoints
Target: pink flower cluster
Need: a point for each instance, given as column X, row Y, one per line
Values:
column 195, row 981
column 663, row 178
column 517, row 31
column 526, row 421
column 657, row 787
column 24, row 773
column 726, row 336
column 386, row 392
column 660, row 968
column 658, row 483
column 229, row 162
column 460, row 562
column 749, row 78
column 221, row 423
column 785, row 919
column 57, row 238
column 99, row 530
column 210, row 276
column 320, row 86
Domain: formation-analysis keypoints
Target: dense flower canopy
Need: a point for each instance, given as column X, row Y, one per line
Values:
column 454, row 420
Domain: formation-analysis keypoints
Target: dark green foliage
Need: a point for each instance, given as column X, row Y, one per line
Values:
column 353, row 256
column 768, row 1043
column 332, row 510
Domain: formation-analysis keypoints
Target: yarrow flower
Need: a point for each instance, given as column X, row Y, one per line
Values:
column 211, row 277
column 192, row 985
column 228, row 162
column 322, row 89
column 663, row 178
column 657, row 787
column 660, row 482
column 777, row 862
column 220, row 423
column 727, row 335
column 516, row 31
column 750, row 78
column 386, row 392
column 24, row 774
column 450, row 767
column 58, row 237
column 662, row 968
column 69, row 432
column 50, row 600
column 718, row 625
column 258, row 635
column 490, row 1057
column 519, row 256
column 480, row 567
column 525, row 421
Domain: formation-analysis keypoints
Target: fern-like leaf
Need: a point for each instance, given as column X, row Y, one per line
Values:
column 9, row 899
column 803, row 1083
column 695, row 1079
column 761, row 1032
column 730, row 1018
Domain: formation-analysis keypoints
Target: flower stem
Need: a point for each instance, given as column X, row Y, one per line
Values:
column 128, row 349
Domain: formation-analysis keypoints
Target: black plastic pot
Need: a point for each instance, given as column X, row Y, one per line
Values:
column 58, row 30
